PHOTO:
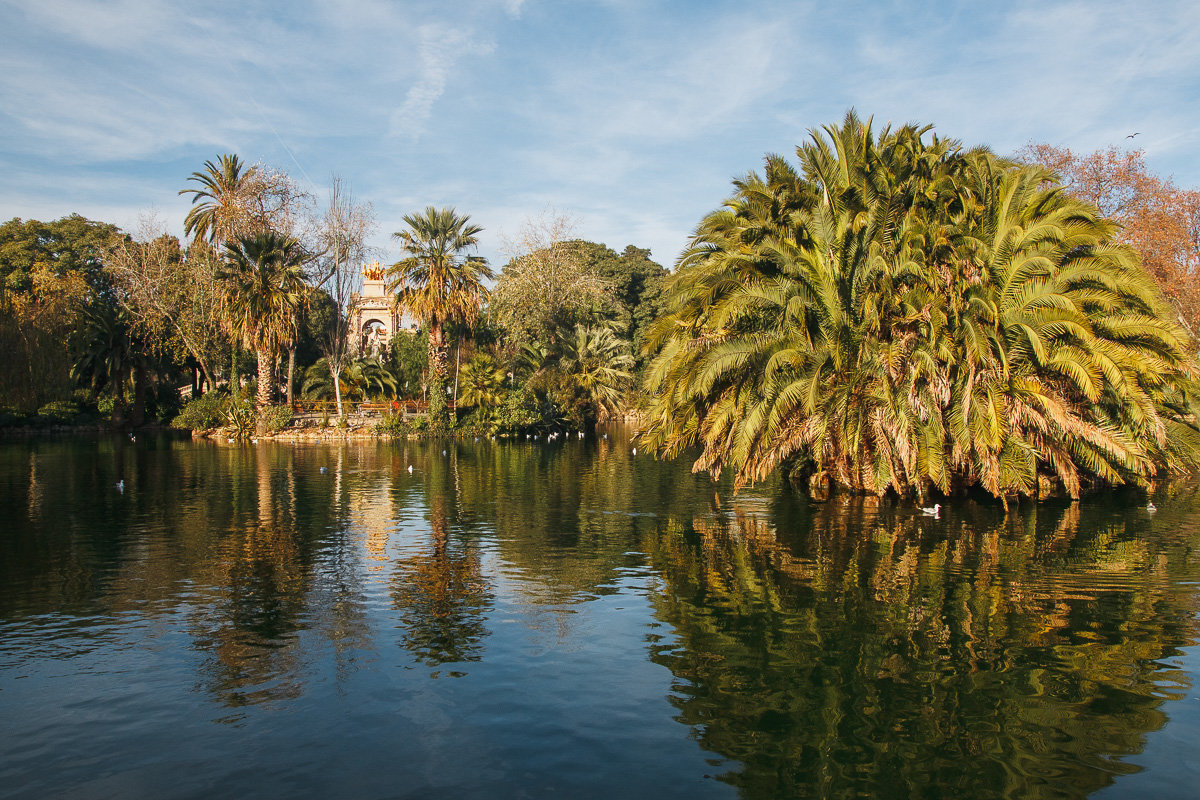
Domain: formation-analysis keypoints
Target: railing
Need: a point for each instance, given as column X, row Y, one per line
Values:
column 406, row 408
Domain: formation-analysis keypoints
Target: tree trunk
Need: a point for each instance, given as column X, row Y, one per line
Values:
column 235, row 379
column 266, row 385
column 118, row 412
column 138, row 417
column 437, row 377
column 337, row 389
column 457, row 364
column 291, row 374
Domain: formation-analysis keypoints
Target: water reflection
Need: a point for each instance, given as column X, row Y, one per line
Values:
column 837, row 650
column 439, row 588
column 848, row 650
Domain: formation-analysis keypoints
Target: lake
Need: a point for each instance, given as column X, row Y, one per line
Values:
column 495, row 619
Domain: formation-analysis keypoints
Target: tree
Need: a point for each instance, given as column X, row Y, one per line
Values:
column 635, row 288
column 1158, row 219
column 173, row 297
column 903, row 315
column 264, row 291
column 482, row 382
column 50, row 273
column 234, row 200
column 362, row 378
column 107, row 353
column 437, row 283
column 341, row 242
column 548, row 286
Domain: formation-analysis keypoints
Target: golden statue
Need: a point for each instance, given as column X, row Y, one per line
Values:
column 373, row 271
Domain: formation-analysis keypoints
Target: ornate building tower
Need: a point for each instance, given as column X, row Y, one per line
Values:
column 373, row 321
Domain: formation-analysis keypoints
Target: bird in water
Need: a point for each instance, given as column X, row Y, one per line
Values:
column 121, row 486
column 936, row 511
column 635, row 451
column 410, row 469
column 1151, row 507
column 324, row 470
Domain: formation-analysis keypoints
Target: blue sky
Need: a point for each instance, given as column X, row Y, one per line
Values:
column 631, row 116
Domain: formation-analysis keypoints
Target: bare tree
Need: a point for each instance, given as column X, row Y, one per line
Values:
column 173, row 295
column 340, row 235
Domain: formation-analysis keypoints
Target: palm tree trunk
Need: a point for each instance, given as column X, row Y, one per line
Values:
column 457, row 365
column 266, row 385
column 437, row 376
column 291, row 374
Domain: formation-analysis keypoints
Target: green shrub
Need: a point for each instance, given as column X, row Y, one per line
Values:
column 393, row 424
column 240, row 419
column 520, row 411
column 58, row 412
column 203, row 413
column 277, row 417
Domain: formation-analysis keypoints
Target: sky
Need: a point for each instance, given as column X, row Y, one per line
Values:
column 629, row 116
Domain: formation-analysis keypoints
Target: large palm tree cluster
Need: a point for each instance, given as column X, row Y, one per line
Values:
column 902, row 313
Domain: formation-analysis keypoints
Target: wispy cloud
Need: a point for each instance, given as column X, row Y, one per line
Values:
column 439, row 48
column 632, row 116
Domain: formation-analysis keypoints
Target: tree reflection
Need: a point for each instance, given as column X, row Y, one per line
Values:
column 847, row 650
column 439, row 588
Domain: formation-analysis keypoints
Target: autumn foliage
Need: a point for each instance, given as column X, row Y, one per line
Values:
column 1159, row 220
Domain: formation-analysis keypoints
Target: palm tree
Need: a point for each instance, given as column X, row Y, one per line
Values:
column 906, row 315
column 437, row 284
column 264, row 292
column 219, row 211
column 106, row 353
column 360, row 379
column 598, row 362
column 482, row 382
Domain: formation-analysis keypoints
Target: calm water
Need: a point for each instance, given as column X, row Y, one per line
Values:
column 532, row 620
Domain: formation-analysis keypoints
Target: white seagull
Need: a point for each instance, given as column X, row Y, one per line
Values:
column 932, row 512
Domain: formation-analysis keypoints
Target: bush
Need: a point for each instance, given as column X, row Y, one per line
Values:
column 58, row 412
column 519, row 411
column 277, row 417
column 240, row 419
column 203, row 413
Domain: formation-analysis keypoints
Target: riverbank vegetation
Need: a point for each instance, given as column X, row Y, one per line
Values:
column 895, row 312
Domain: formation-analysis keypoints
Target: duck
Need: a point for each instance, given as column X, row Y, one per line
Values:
column 121, row 486
column 410, row 469
column 324, row 470
column 1151, row 507
column 932, row 512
